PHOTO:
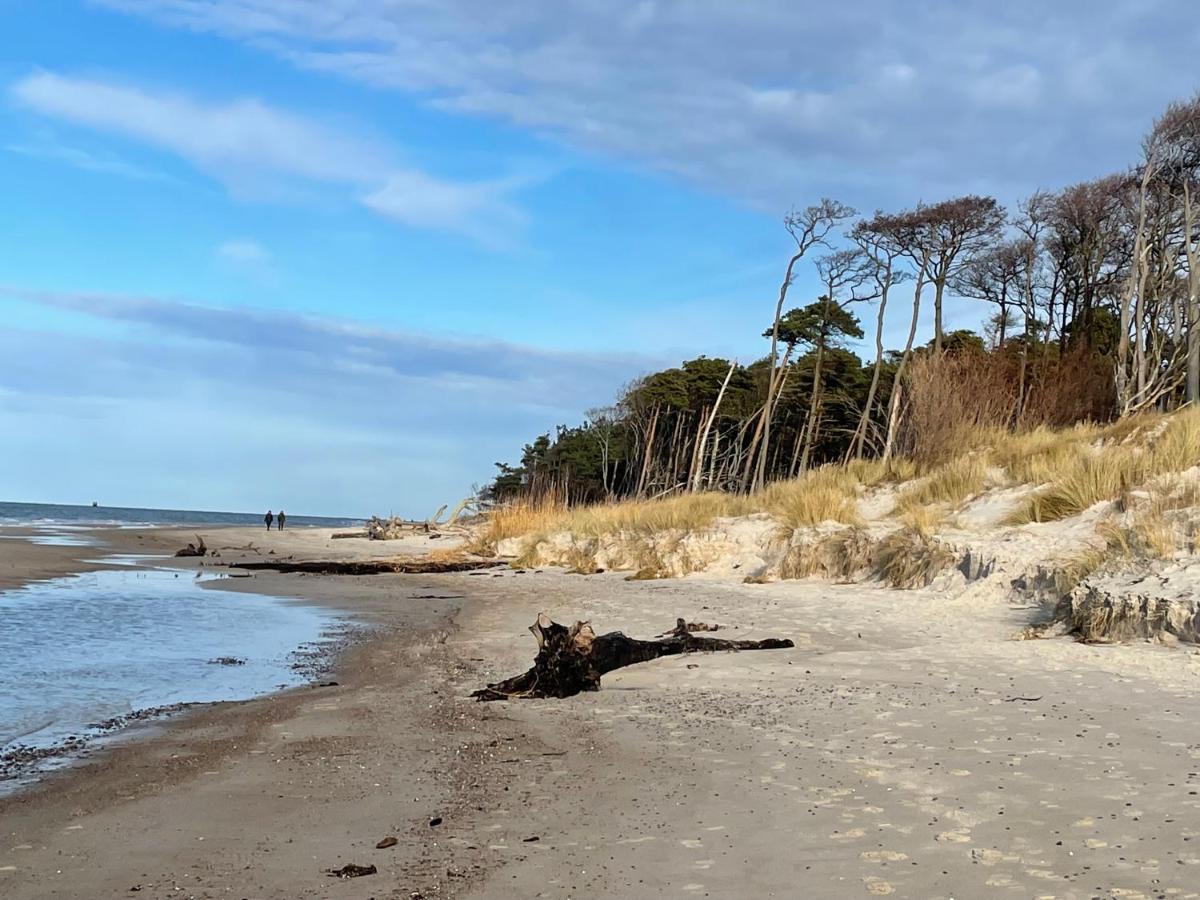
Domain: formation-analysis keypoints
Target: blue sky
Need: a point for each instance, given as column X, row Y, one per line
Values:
column 341, row 256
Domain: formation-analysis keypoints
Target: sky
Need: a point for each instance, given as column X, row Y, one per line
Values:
column 341, row 256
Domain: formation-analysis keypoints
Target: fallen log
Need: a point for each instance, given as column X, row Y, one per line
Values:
column 194, row 549
column 571, row 660
column 369, row 567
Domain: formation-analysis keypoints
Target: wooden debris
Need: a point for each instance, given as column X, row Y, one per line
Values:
column 370, row 567
column 571, row 660
column 194, row 549
column 682, row 627
column 351, row 870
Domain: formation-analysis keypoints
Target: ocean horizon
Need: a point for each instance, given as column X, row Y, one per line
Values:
column 59, row 514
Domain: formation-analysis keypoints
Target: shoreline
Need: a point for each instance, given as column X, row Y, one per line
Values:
column 907, row 746
column 110, row 548
column 171, row 756
column 25, row 561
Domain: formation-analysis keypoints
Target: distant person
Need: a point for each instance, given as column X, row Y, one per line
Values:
column 269, row 518
column 282, row 519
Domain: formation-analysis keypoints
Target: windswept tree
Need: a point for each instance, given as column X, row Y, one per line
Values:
column 808, row 229
column 948, row 235
column 1087, row 223
column 882, row 253
column 846, row 276
column 994, row 276
column 906, row 232
column 1158, row 314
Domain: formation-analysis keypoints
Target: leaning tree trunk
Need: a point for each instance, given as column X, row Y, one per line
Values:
column 708, row 422
column 760, row 474
column 860, row 433
column 897, row 381
column 571, row 660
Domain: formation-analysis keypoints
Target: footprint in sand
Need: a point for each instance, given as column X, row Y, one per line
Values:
column 882, row 856
column 1000, row 880
column 1043, row 873
column 986, row 857
column 954, row 837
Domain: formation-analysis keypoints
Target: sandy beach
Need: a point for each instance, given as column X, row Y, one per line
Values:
column 906, row 746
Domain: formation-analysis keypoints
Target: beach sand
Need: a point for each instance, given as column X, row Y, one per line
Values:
column 906, row 747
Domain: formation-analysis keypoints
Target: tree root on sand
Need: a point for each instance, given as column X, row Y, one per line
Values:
column 571, row 660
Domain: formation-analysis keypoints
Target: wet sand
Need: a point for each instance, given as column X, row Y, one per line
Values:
column 258, row 798
column 905, row 747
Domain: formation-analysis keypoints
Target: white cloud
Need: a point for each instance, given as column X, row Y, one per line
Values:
column 49, row 148
column 479, row 210
column 882, row 102
column 233, row 139
column 357, row 418
column 243, row 252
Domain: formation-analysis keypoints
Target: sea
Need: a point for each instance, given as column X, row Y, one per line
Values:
column 52, row 514
column 83, row 657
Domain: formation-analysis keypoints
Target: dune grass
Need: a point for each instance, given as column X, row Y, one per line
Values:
column 1115, row 465
column 517, row 519
column 687, row 512
column 908, row 558
column 950, row 483
column 823, row 495
column 1073, row 469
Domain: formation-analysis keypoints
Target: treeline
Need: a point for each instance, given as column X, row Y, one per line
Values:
column 1093, row 311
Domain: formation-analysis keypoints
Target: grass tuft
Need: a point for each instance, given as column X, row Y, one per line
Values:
column 827, row 494
column 907, row 559
column 951, row 483
column 1129, row 454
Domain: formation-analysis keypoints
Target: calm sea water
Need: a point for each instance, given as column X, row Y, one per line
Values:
column 60, row 514
column 78, row 650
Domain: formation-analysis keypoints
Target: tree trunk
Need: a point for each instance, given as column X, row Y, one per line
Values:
column 860, row 433
column 813, row 403
column 708, row 426
column 641, row 485
column 1193, row 300
column 894, row 411
column 760, row 473
column 571, row 660
column 939, row 285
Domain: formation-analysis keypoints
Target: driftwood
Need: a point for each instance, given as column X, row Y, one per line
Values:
column 682, row 627
column 394, row 528
column 571, row 660
column 370, row 567
column 194, row 549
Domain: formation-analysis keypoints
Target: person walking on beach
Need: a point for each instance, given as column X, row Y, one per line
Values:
column 282, row 518
column 269, row 518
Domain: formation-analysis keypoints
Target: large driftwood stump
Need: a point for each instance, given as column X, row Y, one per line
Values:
column 194, row 549
column 571, row 660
